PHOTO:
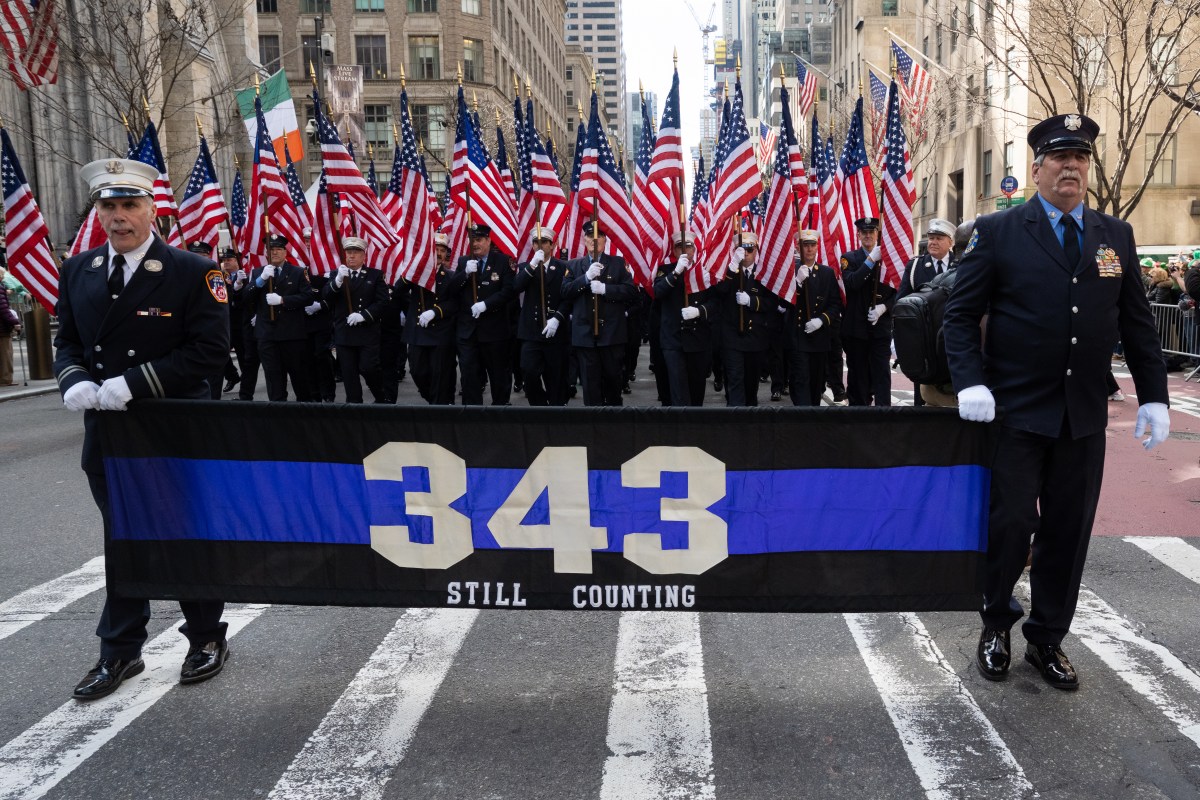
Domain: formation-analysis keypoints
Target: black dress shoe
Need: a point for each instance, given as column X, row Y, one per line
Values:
column 992, row 655
column 1052, row 662
column 839, row 397
column 776, row 396
column 717, row 385
column 229, row 384
column 203, row 662
column 106, row 676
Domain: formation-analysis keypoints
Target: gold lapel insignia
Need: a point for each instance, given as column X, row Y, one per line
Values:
column 153, row 265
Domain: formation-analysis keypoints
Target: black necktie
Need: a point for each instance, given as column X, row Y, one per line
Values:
column 1070, row 240
column 116, row 280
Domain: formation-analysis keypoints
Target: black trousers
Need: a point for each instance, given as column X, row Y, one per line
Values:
column 356, row 360
column 122, row 626
column 433, row 371
column 544, row 372
column 393, row 355
column 320, row 366
column 742, row 369
column 1059, row 477
column 776, row 365
column 662, row 381
column 868, row 373
column 249, row 365
column 800, row 377
column 493, row 358
column 600, row 370
column 282, row 361
column 687, row 374
column 834, row 363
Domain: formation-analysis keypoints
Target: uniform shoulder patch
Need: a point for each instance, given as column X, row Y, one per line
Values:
column 215, row 281
column 971, row 244
column 845, row 263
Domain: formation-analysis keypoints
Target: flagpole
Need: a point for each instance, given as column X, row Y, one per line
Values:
column 924, row 57
column 467, row 196
column 266, row 221
column 795, row 200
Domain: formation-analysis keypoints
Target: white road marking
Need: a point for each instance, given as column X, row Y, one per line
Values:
column 40, row 602
column 952, row 746
column 1172, row 551
column 357, row 747
column 659, row 733
column 36, row 760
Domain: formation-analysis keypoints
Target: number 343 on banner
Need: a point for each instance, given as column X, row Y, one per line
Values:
column 562, row 473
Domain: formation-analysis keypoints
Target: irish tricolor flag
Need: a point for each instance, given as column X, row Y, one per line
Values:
column 280, row 113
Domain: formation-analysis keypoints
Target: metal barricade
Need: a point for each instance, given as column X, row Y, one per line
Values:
column 1177, row 333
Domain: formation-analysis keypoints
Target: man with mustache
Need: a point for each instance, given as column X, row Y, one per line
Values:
column 1059, row 283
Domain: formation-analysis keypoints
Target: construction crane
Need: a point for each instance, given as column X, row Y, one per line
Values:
column 705, row 29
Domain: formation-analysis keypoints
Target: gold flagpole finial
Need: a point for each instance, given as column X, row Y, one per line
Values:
column 460, row 73
column 236, row 163
column 146, row 106
column 474, row 101
column 312, row 73
column 199, row 127
column 125, row 122
column 497, row 117
column 370, row 152
column 528, row 90
column 595, row 77
column 395, row 133
column 402, row 86
column 517, row 86
column 739, row 68
column 256, row 82
column 675, row 58
column 421, row 148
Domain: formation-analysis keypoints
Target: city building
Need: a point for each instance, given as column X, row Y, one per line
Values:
column 633, row 116
column 596, row 27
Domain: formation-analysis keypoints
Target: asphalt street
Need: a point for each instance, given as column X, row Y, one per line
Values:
column 322, row 702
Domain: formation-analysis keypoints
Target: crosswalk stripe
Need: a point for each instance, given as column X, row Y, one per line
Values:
column 952, row 746
column 48, row 751
column 1172, row 551
column 360, row 742
column 41, row 601
column 659, row 732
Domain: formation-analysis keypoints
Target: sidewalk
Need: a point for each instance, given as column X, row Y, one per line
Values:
column 25, row 386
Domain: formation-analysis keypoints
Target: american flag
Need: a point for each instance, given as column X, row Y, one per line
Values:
column 202, row 212
column 602, row 192
column 737, row 174
column 879, row 100
column 777, row 243
column 89, row 235
column 837, row 237
column 667, row 163
column 269, row 199
column 712, row 243
column 519, row 139
column 552, row 152
column 325, row 256
column 344, row 179
column 652, row 207
column 303, row 214
column 812, row 215
column 237, row 211
column 896, row 240
column 506, row 175
column 476, row 185
column 764, row 151
column 914, row 78
column 787, row 131
column 28, row 239
column 854, row 172
column 546, row 185
column 372, row 179
column 149, row 152
column 431, row 196
column 454, row 225
column 29, row 36
column 806, row 91
column 527, row 207
column 406, row 201
column 698, row 189
column 572, row 239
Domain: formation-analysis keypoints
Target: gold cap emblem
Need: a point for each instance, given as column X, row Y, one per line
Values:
column 1073, row 122
column 114, row 166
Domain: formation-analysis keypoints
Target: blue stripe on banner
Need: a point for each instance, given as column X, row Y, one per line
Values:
column 897, row 508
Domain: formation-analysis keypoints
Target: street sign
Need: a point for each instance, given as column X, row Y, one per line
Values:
column 1009, row 202
column 1008, row 185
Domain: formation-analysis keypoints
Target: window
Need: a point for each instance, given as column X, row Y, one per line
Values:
column 924, row 194
column 938, row 43
column 570, row 73
column 473, row 60
column 310, row 51
column 925, row 47
column 377, row 125
column 1164, row 60
column 890, row 7
column 372, row 6
column 268, row 7
column 1163, row 173
column 953, row 106
column 268, row 52
column 1008, row 158
column 989, row 79
column 1010, row 69
column 371, row 53
column 472, row 7
column 314, row 6
column 985, row 186
column 423, row 57
column 422, row 6
column 808, row 18
column 1089, row 50
column 954, row 30
column 429, row 125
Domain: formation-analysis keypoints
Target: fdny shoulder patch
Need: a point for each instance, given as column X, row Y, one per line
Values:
column 216, row 285
column 973, row 242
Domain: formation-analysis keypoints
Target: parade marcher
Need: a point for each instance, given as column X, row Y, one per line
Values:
column 746, row 310
column 685, row 326
column 1056, row 302
column 137, row 319
column 230, row 264
column 278, row 295
column 429, row 329
column 357, row 297
column 483, row 280
column 935, row 261
column 817, row 313
column 241, row 300
column 637, row 322
column 542, row 327
column 600, row 288
column 867, row 321
column 393, row 347
column 318, row 330
column 205, row 251
column 10, row 324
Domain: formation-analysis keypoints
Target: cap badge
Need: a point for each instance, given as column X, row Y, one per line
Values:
column 1073, row 122
column 114, row 166
column 97, row 261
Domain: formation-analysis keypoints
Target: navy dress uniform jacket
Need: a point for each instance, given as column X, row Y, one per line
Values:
column 443, row 301
column 817, row 298
column 861, row 292
column 756, row 317
column 675, row 332
column 165, row 333
column 493, row 288
column 1062, row 320
column 369, row 295
column 619, row 294
column 921, row 271
column 290, row 323
column 533, row 319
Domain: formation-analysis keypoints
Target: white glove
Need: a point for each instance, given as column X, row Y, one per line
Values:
column 682, row 265
column 472, row 266
column 551, row 328
column 403, row 318
column 689, row 312
column 239, row 280
column 734, row 267
column 1157, row 417
column 81, row 396
column 114, row 394
column 813, row 325
column 478, row 309
column 426, row 317
column 274, row 299
column 876, row 313
column 802, row 273
column 742, row 298
column 598, row 287
column 739, row 255
column 312, row 308
column 976, row 404
column 875, row 255
column 343, row 272
column 268, row 272
column 594, row 270
column 355, row 319
column 538, row 258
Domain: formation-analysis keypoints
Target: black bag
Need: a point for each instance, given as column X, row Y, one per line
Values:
column 917, row 331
